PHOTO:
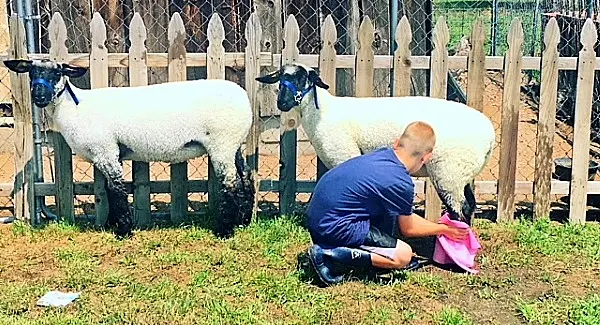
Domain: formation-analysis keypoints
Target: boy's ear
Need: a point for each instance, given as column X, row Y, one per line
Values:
column 18, row 66
column 270, row 78
column 315, row 79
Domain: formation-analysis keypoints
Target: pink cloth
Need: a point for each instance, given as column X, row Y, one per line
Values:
column 461, row 253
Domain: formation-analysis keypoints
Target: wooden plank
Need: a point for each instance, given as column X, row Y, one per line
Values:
column 99, row 79
column 201, row 186
column 510, row 123
column 77, row 13
column 364, row 60
column 113, row 12
column 327, row 71
column 476, row 67
column 546, row 121
column 288, row 137
column 178, row 72
column 270, row 17
column 402, row 59
column 253, row 34
column 24, row 203
column 214, row 70
column 583, row 115
column 155, row 14
column 438, row 89
column 63, row 157
column 138, row 76
column 381, row 40
column 343, row 61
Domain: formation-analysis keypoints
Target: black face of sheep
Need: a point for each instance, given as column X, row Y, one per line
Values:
column 296, row 81
column 46, row 77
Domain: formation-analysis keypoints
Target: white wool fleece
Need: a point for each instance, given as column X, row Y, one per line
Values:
column 156, row 121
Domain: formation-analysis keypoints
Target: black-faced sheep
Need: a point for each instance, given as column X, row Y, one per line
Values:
column 169, row 122
column 340, row 128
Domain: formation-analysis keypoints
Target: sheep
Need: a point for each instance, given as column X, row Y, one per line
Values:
column 340, row 128
column 169, row 122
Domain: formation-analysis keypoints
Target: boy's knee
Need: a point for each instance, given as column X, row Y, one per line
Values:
column 403, row 255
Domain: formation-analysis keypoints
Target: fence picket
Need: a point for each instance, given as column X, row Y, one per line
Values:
column 438, row 88
column 402, row 59
column 510, row 122
column 22, row 110
column 138, row 76
column 546, row 121
column 99, row 79
column 288, row 138
column 476, row 67
column 63, row 157
column 583, row 116
column 178, row 72
column 364, row 59
column 253, row 35
column 327, row 71
column 215, row 69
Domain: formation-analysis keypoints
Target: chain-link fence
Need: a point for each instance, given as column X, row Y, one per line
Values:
column 460, row 15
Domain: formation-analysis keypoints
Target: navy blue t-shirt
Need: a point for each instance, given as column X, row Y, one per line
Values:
column 374, row 188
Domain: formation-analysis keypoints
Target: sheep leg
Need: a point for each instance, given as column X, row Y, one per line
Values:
column 237, row 192
column 119, row 213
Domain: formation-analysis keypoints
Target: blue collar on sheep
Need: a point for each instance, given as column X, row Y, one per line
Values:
column 47, row 85
column 299, row 94
column 296, row 81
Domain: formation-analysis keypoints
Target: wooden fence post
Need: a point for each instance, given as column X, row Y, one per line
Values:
column 402, row 61
column 583, row 116
column 99, row 79
column 138, row 76
column 546, row 121
column 63, row 157
column 253, row 35
column 178, row 72
column 327, row 70
column 288, row 133
column 438, row 88
column 476, row 67
column 24, row 196
column 510, row 122
column 215, row 69
column 365, row 57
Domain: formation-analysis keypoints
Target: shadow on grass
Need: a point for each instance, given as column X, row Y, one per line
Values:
column 161, row 218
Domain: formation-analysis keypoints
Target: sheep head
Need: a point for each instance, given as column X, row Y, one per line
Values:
column 46, row 77
column 296, row 80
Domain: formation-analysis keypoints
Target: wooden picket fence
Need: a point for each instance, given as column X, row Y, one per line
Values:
column 363, row 62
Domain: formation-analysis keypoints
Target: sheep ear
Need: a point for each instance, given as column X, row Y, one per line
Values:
column 72, row 71
column 315, row 79
column 270, row 78
column 18, row 66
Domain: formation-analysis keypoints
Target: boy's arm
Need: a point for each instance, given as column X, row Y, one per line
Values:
column 415, row 226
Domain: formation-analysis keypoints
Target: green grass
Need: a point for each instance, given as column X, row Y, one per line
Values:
column 531, row 273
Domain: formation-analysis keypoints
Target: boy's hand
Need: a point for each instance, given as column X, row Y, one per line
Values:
column 455, row 233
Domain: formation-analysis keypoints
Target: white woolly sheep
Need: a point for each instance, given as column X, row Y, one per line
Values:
column 169, row 122
column 340, row 128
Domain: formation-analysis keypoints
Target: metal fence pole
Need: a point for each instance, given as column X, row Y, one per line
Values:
column 393, row 45
column 494, row 27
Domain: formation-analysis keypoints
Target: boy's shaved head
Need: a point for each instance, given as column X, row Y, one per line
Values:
column 418, row 139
